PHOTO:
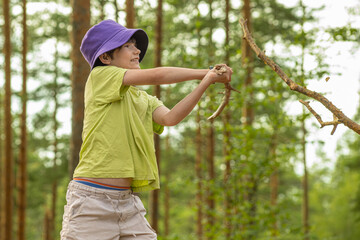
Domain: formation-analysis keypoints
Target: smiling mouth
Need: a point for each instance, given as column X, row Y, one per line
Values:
column 135, row 60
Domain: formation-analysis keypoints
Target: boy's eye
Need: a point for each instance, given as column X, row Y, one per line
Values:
column 130, row 45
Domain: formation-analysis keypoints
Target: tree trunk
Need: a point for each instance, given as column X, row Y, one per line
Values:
column 23, row 144
column 199, row 155
column 211, row 144
column 8, row 166
column 102, row 10
column 47, row 231
column 157, row 93
column 274, row 184
column 116, row 9
column 198, row 172
column 226, row 142
column 211, row 179
column 130, row 14
column 167, row 189
column 55, row 146
column 247, row 60
column 80, row 24
column 250, row 182
column 305, row 205
column 2, row 179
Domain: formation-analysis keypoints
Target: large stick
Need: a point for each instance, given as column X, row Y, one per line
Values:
column 220, row 69
column 339, row 116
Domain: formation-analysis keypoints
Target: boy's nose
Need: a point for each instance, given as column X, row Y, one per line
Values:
column 137, row 50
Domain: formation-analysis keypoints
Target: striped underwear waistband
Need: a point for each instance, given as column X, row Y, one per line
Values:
column 100, row 185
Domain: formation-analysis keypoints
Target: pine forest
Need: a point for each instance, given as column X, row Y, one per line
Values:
column 243, row 175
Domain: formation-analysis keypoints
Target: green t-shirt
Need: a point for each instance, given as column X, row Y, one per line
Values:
column 118, row 131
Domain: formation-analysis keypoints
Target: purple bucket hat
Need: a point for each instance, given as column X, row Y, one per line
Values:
column 108, row 35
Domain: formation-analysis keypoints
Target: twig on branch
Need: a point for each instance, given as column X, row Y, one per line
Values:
column 335, row 122
column 338, row 114
column 220, row 69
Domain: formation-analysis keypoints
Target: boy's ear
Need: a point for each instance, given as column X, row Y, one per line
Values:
column 104, row 58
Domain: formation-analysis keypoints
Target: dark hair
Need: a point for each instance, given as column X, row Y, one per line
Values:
column 111, row 54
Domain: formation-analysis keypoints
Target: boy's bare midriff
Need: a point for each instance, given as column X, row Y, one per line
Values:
column 119, row 182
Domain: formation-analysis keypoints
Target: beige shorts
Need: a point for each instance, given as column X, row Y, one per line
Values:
column 100, row 214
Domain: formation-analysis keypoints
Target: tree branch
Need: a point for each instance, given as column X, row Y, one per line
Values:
column 220, row 69
column 338, row 114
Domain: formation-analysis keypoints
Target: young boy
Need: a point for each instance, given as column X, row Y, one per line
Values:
column 117, row 156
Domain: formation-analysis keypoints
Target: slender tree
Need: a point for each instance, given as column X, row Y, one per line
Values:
column 2, row 181
column 80, row 22
column 102, row 9
column 130, row 14
column 55, row 142
column 211, row 143
column 2, row 176
column 166, row 184
column 199, row 176
column 23, row 145
column 305, row 203
column 250, row 182
column 157, row 93
column 199, row 148
column 47, row 228
column 116, row 9
column 227, row 134
column 274, row 182
column 8, row 166
column 247, row 59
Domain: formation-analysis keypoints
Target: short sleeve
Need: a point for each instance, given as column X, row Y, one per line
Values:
column 107, row 84
column 155, row 103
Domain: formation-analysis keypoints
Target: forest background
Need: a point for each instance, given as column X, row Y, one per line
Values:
column 245, row 175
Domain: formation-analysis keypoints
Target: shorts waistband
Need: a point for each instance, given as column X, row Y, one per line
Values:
column 100, row 185
column 90, row 190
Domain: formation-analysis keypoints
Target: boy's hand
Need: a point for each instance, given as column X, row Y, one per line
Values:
column 220, row 73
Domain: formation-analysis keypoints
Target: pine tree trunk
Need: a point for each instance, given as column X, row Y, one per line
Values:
column 305, row 204
column 305, row 207
column 55, row 146
column 199, row 154
column 47, row 230
column 166, row 186
column 211, row 179
column 2, row 187
column 130, row 14
column 250, row 183
column 23, row 144
column 116, row 9
column 198, row 172
column 226, row 143
column 8, row 166
column 211, row 144
column 102, row 10
column 2, row 179
column 228, row 201
column 157, row 93
column 80, row 24
column 274, row 184
column 247, row 59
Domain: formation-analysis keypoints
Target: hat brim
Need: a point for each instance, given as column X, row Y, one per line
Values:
column 122, row 37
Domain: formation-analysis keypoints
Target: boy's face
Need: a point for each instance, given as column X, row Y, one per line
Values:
column 126, row 56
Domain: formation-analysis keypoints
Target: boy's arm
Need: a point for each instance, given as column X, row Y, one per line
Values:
column 162, row 75
column 166, row 117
